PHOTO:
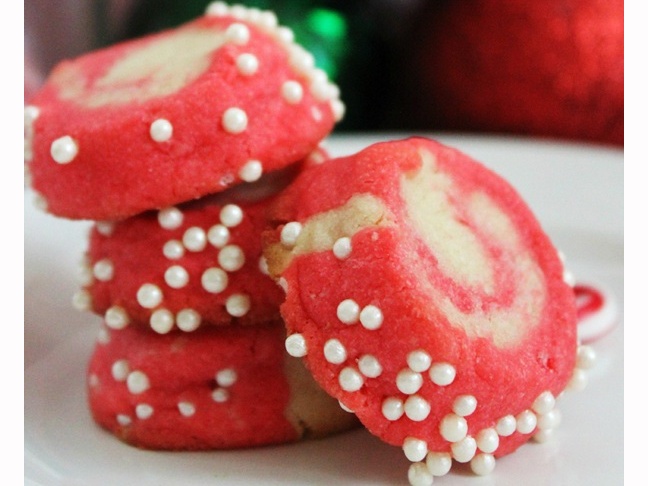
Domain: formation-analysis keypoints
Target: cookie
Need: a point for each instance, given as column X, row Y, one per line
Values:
column 218, row 388
column 174, row 116
column 191, row 265
column 423, row 294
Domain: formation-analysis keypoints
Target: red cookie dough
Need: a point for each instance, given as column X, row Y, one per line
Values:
column 214, row 389
column 176, row 115
column 424, row 295
column 185, row 266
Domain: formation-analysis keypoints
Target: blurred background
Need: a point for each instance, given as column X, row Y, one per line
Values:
column 553, row 68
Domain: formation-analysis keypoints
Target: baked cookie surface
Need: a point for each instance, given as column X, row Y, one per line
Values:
column 182, row 267
column 217, row 388
column 176, row 115
column 422, row 293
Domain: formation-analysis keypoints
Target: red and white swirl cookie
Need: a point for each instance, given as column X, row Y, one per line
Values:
column 216, row 388
column 425, row 296
column 176, row 115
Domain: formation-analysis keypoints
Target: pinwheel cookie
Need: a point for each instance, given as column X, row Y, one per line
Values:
column 423, row 294
column 218, row 388
column 176, row 115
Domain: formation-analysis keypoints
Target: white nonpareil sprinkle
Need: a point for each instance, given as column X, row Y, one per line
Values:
column 220, row 395
column 226, row 377
column 251, row 171
column 408, row 381
column 482, row 464
column 217, row 9
column 143, row 411
column 186, row 409
column 549, row 420
column 526, row 422
column 392, row 408
column 237, row 305
column 415, row 449
column 416, row 408
column 149, row 296
column 188, row 320
column 419, row 361
column 105, row 228
column 170, row 218
column 369, row 366
column 162, row 321
column 137, row 382
column 63, row 150
column 418, row 475
column 439, row 463
column 464, row 405
column 487, row 440
column 161, row 130
column 334, row 351
column 103, row 270
column 464, row 450
column 342, row 248
column 442, row 374
column 214, row 280
column 237, row 34
column 263, row 265
column 82, row 300
column 350, row 380
column 120, row 370
column 578, row 380
column 289, row 233
column 544, row 403
column 453, row 428
column 247, row 64
column 344, row 407
column 123, row 419
column 218, row 235
column 292, row 92
column 348, row 311
column 234, row 120
column 506, row 425
column 285, row 35
column 173, row 250
column 371, row 317
column 231, row 258
column 339, row 109
column 296, row 345
column 231, row 215
column 585, row 357
column 194, row 239
column 176, row 276
column 116, row 317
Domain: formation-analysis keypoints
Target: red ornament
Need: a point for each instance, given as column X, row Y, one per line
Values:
column 551, row 68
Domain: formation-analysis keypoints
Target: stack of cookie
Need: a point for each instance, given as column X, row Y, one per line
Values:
column 415, row 285
column 175, row 145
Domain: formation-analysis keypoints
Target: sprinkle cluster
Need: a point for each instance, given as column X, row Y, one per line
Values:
column 476, row 447
column 137, row 382
column 195, row 244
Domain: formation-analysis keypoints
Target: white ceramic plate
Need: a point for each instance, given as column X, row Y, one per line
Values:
column 576, row 192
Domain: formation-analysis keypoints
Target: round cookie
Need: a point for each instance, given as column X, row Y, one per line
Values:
column 176, row 115
column 218, row 388
column 185, row 266
column 424, row 295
